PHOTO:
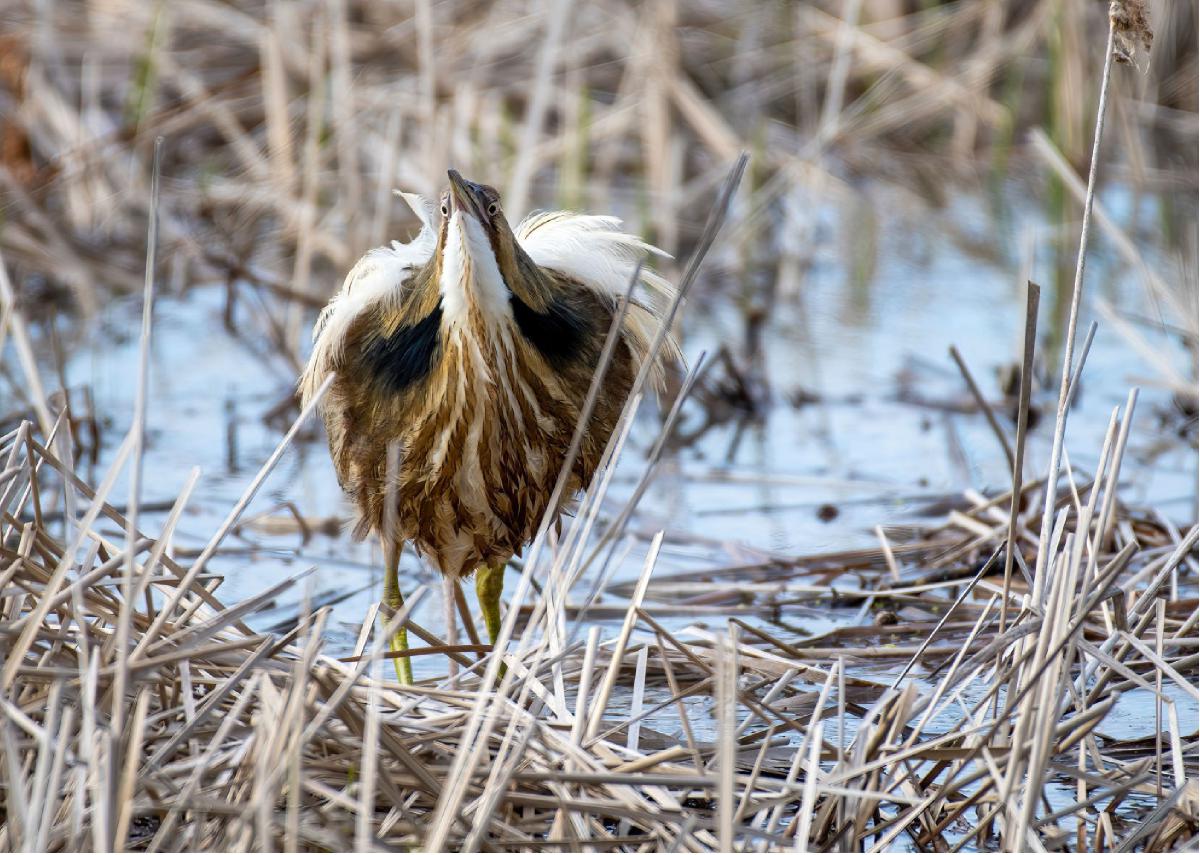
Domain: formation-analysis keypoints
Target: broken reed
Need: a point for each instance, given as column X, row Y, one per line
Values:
column 232, row 739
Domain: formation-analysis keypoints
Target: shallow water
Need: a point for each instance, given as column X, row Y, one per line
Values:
column 881, row 437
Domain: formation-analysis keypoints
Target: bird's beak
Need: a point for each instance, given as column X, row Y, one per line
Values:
column 466, row 196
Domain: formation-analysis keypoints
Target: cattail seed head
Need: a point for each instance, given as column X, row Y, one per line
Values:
column 1131, row 26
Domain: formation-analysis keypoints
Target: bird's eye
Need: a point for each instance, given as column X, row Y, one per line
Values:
column 445, row 210
column 493, row 209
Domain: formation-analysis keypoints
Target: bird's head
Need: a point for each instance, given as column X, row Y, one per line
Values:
column 478, row 201
column 482, row 262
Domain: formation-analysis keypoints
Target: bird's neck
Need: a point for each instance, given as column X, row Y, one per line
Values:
column 471, row 284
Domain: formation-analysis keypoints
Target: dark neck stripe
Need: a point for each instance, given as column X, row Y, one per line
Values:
column 557, row 333
column 407, row 355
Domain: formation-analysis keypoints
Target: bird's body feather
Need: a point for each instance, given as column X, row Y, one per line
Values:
column 475, row 358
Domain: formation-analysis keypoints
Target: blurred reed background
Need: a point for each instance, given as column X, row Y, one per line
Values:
column 288, row 124
column 835, row 488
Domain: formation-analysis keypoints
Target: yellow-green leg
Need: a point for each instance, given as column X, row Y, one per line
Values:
column 489, row 584
column 393, row 602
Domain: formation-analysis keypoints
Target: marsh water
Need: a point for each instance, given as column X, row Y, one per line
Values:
column 853, row 414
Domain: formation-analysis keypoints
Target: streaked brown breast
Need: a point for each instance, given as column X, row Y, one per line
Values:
column 483, row 415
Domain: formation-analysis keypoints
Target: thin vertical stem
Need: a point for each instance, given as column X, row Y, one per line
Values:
column 1032, row 300
column 1060, row 421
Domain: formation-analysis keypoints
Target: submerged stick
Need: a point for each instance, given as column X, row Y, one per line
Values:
column 988, row 412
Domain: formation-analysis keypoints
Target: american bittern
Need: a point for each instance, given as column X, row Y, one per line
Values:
column 471, row 350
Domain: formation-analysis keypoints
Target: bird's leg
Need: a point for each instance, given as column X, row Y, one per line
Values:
column 489, row 583
column 393, row 602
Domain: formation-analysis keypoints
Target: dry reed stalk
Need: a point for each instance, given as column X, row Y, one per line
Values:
column 1032, row 301
column 1060, row 418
